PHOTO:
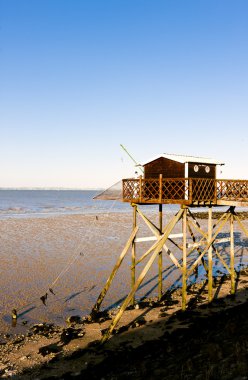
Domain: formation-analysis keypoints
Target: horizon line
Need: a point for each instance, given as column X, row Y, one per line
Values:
column 50, row 188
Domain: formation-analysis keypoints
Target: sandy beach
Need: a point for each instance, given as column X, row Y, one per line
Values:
column 72, row 256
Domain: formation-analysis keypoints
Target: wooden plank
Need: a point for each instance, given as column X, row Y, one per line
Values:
column 206, row 249
column 113, row 273
column 156, row 201
column 193, row 217
column 232, row 254
column 196, row 245
column 133, row 267
column 172, row 257
column 221, row 259
column 160, row 257
column 156, row 231
column 151, row 225
column 210, row 256
column 243, row 203
column 217, row 241
column 167, row 250
column 244, row 229
column 221, row 218
column 160, row 188
column 184, row 268
column 142, row 275
column 192, row 224
column 153, row 238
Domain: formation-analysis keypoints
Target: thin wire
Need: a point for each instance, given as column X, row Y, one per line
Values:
column 75, row 257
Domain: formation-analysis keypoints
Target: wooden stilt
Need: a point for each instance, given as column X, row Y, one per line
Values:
column 152, row 226
column 157, row 249
column 184, row 268
column 222, row 260
column 210, row 255
column 232, row 253
column 244, row 229
column 133, row 267
column 160, row 257
column 197, row 247
column 157, row 233
column 208, row 244
column 111, row 277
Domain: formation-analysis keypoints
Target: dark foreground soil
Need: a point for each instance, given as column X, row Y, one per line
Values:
column 214, row 347
column 154, row 341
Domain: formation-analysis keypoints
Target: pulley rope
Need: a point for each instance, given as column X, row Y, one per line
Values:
column 76, row 255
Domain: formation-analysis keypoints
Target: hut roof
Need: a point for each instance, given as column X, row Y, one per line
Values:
column 184, row 159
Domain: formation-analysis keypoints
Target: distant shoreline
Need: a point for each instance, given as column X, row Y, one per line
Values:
column 50, row 189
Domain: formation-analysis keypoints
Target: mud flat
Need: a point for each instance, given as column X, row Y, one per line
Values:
column 73, row 256
column 153, row 340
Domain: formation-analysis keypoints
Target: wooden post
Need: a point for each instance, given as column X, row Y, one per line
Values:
column 111, row 277
column 133, row 268
column 184, row 268
column 157, row 248
column 232, row 253
column 190, row 190
column 215, row 191
column 160, row 188
column 210, row 255
column 160, row 257
column 140, row 189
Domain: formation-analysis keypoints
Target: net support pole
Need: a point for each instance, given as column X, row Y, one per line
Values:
column 210, row 254
column 113, row 273
column 232, row 253
column 184, row 267
column 133, row 268
column 160, row 256
column 157, row 248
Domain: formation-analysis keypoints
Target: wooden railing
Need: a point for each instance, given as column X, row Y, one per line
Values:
column 184, row 190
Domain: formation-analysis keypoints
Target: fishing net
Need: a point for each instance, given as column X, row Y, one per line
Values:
column 113, row 193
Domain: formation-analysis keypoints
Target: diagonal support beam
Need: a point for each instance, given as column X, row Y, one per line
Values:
column 208, row 244
column 112, row 275
column 197, row 246
column 142, row 275
column 196, row 225
column 152, row 226
column 157, row 233
column 217, row 253
column 236, row 217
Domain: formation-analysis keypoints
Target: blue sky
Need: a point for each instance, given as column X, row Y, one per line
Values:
column 78, row 78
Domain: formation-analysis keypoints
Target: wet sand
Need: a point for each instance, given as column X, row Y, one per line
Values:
column 34, row 252
column 74, row 256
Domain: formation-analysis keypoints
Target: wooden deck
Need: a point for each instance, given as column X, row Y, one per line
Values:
column 186, row 191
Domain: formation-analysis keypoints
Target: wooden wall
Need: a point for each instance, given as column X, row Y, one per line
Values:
column 168, row 168
column 173, row 169
column 201, row 172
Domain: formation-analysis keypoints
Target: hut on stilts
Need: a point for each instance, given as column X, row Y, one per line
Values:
column 189, row 182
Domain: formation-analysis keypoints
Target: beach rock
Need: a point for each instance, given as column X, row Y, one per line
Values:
column 18, row 340
column 74, row 319
column 43, row 329
column 50, row 348
column 70, row 333
column 139, row 322
column 118, row 330
column 163, row 314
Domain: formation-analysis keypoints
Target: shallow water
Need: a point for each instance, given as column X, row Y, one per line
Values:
column 38, row 203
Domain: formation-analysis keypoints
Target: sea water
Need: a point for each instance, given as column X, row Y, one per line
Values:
column 42, row 203
column 45, row 203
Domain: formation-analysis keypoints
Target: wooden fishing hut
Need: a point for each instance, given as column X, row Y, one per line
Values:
column 189, row 182
column 170, row 178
